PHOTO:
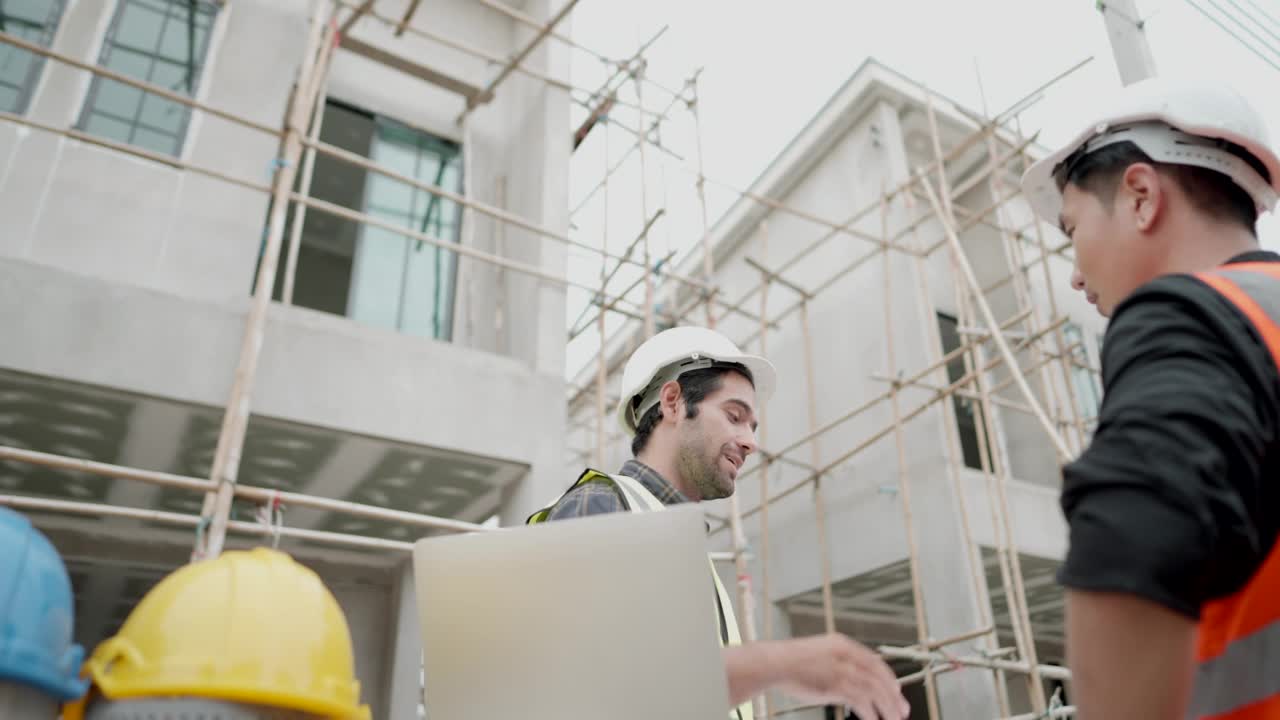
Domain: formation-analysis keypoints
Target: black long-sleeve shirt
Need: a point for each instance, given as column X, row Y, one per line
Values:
column 1177, row 498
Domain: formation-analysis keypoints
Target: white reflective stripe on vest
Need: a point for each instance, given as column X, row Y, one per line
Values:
column 639, row 499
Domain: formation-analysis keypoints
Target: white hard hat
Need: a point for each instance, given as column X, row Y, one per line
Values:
column 1174, row 122
column 671, row 353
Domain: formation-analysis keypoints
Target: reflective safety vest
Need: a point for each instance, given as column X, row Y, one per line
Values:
column 1238, row 647
column 638, row 499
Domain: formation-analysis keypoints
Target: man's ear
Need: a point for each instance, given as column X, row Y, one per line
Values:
column 1142, row 195
column 670, row 400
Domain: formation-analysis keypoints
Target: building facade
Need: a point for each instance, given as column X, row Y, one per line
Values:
column 399, row 374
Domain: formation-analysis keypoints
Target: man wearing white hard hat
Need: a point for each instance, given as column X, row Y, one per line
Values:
column 1173, row 567
column 689, row 399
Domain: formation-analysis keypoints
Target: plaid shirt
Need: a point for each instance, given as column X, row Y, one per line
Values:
column 599, row 498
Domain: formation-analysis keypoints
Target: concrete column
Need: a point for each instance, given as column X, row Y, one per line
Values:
column 404, row 673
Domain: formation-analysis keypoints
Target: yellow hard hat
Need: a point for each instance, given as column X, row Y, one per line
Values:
column 253, row 627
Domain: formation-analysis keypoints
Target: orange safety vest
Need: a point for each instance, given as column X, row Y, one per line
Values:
column 1238, row 648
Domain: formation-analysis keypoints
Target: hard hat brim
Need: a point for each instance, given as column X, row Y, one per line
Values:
column 763, row 375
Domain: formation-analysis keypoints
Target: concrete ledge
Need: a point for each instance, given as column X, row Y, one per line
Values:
column 315, row 368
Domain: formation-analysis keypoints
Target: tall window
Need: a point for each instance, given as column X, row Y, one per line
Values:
column 162, row 42
column 968, row 412
column 35, row 22
column 1088, row 395
column 373, row 275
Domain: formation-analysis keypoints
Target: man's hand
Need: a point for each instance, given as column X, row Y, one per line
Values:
column 830, row 669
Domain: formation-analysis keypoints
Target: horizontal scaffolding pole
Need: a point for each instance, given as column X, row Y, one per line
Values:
column 244, row 491
column 1053, row 672
column 165, row 93
column 326, row 207
column 884, row 432
column 23, row 502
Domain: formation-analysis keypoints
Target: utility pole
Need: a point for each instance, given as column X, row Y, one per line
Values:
column 1128, row 40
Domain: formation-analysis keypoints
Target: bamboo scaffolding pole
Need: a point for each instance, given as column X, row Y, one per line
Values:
column 983, row 129
column 737, row 306
column 323, row 206
column 543, row 29
column 481, row 54
column 766, row 615
column 966, row 394
column 22, row 502
column 1053, row 672
column 738, row 539
column 877, row 399
column 883, row 432
column 349, row 214
column 135, row 152
column 649, row 325
column 601, row 371
column 986, row 441
column 308, row 169
column 226, row 459
column 152, row 88
column 851, row 267
column 1059, row 336
column 819, row 501
column 955, row 455
column 524, row 52
column 603, row 306
column 503, row 215
column 996, row 333
column 1065, row 711
column 248, row 492
column 1015, row 258
column 903, row 476
column 315, row 145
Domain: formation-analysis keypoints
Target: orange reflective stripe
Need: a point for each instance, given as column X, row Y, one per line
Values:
column 1260, row 319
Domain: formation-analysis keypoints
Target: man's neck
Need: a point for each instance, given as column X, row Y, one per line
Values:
column 664, row 464
column 1207, row 245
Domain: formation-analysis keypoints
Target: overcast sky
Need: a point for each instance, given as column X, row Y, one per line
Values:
column 768, row 67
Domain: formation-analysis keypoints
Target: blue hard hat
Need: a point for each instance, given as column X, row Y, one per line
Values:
column 36, row 612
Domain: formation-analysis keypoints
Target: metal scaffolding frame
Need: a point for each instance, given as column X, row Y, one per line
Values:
column 698, row 300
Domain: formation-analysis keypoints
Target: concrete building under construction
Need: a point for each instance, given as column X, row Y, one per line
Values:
column 294, row 272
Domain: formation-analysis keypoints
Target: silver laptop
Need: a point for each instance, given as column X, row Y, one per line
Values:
column 611, row 616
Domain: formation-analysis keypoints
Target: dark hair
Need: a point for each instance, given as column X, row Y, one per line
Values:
column 695, row 386
column 1211, row 192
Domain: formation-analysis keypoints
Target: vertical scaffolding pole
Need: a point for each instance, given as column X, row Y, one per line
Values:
column 308, row 168
column 649, row 328
column 746, row 618
column 819, row 502
column 766, row 614
column 602, row 370
column 904, row 477
column 216, row 511
column 1017, row 606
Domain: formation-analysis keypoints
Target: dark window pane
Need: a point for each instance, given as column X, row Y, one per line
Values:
column 164, row 115
column 108, row 128
column 151, row 40
column 152, row 140
column 387, row 280
column 968, row 413
column 34, row 21
column 138, row 27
